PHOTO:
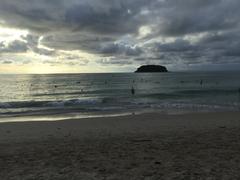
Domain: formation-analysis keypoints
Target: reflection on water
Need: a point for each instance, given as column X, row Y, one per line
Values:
column 113, row 93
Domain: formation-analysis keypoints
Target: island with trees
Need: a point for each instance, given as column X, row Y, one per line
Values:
column 151, row 69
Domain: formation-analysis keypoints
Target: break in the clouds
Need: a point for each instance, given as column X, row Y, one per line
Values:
column 178, row 33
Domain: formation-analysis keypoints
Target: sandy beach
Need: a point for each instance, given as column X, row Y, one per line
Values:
column 145, row 146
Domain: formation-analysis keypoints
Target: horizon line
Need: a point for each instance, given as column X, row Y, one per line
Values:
column 178, row 71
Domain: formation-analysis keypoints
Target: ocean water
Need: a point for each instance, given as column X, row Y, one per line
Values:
column 63, row 96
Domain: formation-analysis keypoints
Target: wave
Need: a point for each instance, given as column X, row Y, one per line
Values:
column 190, row 93
column 209, row 91
column 121, row 100
column 159, row 95
column 38, row 104
column 77, row 106
column 84, row 92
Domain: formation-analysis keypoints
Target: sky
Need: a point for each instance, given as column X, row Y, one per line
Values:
column 74, row 36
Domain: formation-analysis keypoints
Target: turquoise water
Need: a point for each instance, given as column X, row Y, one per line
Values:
column 79, row 95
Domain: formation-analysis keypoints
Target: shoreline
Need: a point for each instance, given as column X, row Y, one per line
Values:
column 63, row 116
column 131, row 123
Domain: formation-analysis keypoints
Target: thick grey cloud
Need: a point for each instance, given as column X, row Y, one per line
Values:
column 15, row 46
column 106, row 16
column 39, row 16
column 179, row 45
column 101, row 16
column 213, row 48
column 101, row 27
column 27, row 43
column 118, row 48
column 177, row 18
column 115, row 61
column 77, row 41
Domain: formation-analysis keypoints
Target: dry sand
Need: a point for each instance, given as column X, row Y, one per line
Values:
column 147, row 146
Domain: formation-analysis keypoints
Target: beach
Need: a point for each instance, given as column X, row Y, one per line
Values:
column 137, row 146
column 119, row 90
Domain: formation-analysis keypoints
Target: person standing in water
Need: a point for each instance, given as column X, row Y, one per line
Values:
column 133, row 90
column 239, row 98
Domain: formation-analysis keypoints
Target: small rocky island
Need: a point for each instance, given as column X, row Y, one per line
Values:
column 151, row 69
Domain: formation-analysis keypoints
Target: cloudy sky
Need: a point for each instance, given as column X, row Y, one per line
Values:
column 50, row 36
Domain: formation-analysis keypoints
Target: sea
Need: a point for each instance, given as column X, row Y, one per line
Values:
column 68, row 96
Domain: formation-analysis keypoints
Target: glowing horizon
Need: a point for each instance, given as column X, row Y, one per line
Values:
column 45, row 37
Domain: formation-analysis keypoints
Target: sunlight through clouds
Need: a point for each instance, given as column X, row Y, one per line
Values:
column 116, row 34
column 10, row 34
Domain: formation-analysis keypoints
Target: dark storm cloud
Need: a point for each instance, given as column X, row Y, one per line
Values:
column 226, row 44
column 213, row 48
column 118, row 48
column 27, row 43
column 33, row 45
column 179, row 45
column 97, row 26
column 13, row 47
column 77, row 41
column 107, row 16
column 115, row 61
column 35, row 15
column 175, row 17
column 101, row 16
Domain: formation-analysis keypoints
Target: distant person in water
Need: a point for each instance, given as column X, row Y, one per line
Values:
column 239, row 98
column 201, row 82
column 133, row 90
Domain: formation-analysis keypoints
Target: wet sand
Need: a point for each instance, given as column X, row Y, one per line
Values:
column 146, row 146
